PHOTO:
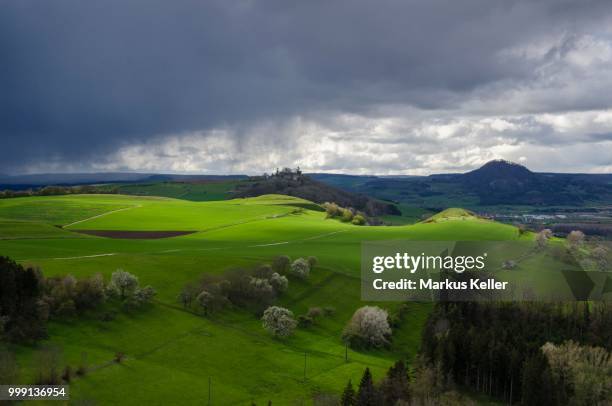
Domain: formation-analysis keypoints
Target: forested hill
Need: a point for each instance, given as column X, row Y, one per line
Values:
column 299, row 185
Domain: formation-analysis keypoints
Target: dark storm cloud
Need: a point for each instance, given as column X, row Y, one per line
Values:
column 80, row 79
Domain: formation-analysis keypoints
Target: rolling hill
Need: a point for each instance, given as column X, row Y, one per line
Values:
column 173, row 352
column 196, row 188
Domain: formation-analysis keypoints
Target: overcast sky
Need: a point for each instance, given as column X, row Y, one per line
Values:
column 381, row 87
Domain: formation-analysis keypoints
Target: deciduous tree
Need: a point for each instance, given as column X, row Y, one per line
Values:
column 279, row 321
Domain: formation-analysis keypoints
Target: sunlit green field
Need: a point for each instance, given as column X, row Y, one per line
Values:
column 172, row 353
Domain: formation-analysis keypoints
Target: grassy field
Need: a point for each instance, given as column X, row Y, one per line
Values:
column 205, row 191
column 171, row 352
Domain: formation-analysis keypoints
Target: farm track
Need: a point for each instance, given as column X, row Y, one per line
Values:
column 102, row 215
column 88, row 256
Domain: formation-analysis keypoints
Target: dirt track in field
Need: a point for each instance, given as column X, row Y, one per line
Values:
column 143, row 235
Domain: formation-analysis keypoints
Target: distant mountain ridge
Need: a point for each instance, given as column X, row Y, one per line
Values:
column 497, row 182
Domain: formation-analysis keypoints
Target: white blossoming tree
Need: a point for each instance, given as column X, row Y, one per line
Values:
column 279, row 282
column 300, row 268
column 369, row 327
column 279, row 321
column 123, row 284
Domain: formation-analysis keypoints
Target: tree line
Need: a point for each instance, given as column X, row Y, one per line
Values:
column 515, row 352
column 250, row 288
column 345, row 214
column 59, row 190
column 28, row 299
column 530, row 354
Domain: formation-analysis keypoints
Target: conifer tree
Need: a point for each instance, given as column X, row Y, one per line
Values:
column 348, row 396
column 367, row 396
column 537, row 382
column 396, row 384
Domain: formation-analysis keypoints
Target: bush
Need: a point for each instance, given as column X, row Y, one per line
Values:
column 312, row 261
column 369, row 327
column 66, row 309
column 263, row 271
column 119, row 357
column 359, row 220
column 300, row 268
column 281, row 264
column 280, row 283
column 575, row 239
column 245, row 291
column 188, row 294
column 347, row 215
column 82, row 369
column 329, row 311
column 314, row 313
column 67, row 375
column 261, row 287
column 66, row 296
column 332, row 210
column 279, row 321
column 205, row 300
column 89, row 293
column 542, row 238
column 600, row 256
column 145, row 294
column 304, row 321
column 344, row 214
column 123, row 284
column 509, row 264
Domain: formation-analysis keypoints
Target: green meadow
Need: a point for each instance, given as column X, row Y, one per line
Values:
column 204, row 191
column 172, row 353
